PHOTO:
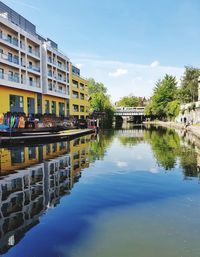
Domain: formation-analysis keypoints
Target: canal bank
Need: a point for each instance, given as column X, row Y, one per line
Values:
column 194, row 129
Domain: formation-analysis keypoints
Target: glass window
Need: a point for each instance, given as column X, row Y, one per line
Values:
column 53, row 107
column 47, row 106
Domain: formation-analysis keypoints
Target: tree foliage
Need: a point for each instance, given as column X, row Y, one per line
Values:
column 189, row 85
column 131, row 101
column 164, row 92
column 100, row 101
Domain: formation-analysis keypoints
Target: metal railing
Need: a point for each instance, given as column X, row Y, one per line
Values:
column 9, row 77
column 13, row 59
column 11, row 40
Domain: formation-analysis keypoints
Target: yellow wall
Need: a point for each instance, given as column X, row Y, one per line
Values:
column 78, row 101
column 5, row 93
column 50, row 99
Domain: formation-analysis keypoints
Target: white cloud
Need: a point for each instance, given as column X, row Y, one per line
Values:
column 139, row 79
column 119, row 72
column 122, row 164
column 155, row 64
column 79, row 65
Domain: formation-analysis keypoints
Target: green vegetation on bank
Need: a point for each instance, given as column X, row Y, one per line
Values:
column 100, row 101
column 131, row 101
column 167, row 96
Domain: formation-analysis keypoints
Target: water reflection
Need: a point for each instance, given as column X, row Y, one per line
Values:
column 34, row 178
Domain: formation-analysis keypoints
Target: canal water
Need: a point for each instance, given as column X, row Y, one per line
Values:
column 129, row 192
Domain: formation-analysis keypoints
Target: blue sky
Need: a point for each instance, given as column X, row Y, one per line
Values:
column 127, row 44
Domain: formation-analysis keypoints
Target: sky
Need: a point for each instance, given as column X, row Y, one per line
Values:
column 126, row 44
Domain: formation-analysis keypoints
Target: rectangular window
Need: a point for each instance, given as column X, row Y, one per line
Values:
column 30, row 49
column 47, row 106
column 16, row 103
column 82, row 108
column 1, row 73
column 9, row 57
column 53, row 107
column 30, row 81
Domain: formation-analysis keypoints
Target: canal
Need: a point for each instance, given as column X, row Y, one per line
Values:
column 128, row 192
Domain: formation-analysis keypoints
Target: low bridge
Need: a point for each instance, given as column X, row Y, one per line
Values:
column 129, row 114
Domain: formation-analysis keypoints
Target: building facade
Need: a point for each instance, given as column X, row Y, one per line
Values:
column 79, row 104
column 34, row 73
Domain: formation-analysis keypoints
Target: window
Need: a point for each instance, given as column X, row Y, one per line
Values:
column 47, row 106
column 30, row 65
column 10, row 75
column 1, row 73
column 61, row 109
column 81, row 86
column 9, row 37
column 81, row 96
column 9, row 57
column 53, row 107
column 30, row 81
column 81, row 108
column 16, row 103
column 30, row 49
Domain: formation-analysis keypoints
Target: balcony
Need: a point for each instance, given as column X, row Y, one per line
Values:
column 33, row 52
column 56, row 90
column 9, row 77
column 34, row 68
column 10, row 40
column 12, row 59
column 34, row 84
column 61, row 66
column 62, row 79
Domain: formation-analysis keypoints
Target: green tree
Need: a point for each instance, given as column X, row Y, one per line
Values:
column 173, row 109
column 164, row 92
column 131, row 101
column 189, row 85
column 100, row 101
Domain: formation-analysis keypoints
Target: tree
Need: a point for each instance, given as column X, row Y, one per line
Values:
column 100, row 101
column 189, row 85
column 131, row 101
column 165, row 91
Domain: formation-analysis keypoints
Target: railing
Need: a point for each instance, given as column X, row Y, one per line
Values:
column 13, row 41
column 15, row 78
column 75, row 85
column 33, row 52
column 34, row 84
column 9, row 77
column 56, row 90
column 9, row 58
column 62, row 79
column 34, row 68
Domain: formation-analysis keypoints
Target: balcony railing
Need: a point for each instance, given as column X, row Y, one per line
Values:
column 34, row 84
column 13, row 59
column 15, row 78
column 9, row 77
column 34, row 68
column 33, row 52
column 13, row 41
column 56, row 90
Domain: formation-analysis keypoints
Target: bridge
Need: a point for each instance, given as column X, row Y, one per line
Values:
column 134, row 114
column 129, row 111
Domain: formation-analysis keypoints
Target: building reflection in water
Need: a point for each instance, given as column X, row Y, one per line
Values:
column 33, row 179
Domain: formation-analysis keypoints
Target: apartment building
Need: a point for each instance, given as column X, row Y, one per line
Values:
column 55, row 79
column 34, row 74
column 79, row 104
